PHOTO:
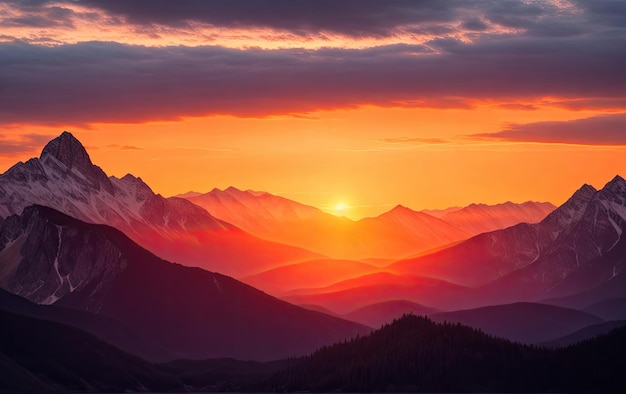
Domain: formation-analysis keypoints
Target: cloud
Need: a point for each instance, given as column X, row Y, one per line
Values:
column 598, row 130
column 110, row 82
column 124, row 147
column 518, row 106
column 607, row 12
column 348, row 17
column 353, row 18
column 32, row 14
column 599, row 103
column 44, row 17
column 13, row 146
column 414, row 140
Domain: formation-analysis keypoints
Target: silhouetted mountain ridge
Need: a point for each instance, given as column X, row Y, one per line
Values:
column 192, row 313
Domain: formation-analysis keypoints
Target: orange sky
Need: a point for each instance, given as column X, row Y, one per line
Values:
column 364, row 148
column 340, row 156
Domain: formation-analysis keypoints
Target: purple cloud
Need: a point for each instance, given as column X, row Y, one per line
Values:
column 598, row 130
column 108, row 82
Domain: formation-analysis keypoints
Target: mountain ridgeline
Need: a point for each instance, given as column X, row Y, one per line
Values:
column 415, row 354
column 398, row 233
column 64, row 178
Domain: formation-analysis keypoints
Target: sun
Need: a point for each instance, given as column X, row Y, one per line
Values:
column 340, row 207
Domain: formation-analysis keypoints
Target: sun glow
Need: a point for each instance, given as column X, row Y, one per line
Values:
column 341, row 207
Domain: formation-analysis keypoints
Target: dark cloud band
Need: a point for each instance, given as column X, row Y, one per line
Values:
column 109, row 82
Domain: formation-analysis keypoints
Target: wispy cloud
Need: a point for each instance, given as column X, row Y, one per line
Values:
column 414, row 140
column 124, row 147
column 13, row 146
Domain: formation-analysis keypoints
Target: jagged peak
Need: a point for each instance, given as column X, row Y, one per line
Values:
column 189, row 194
column 68, row 150
column 232, row 190
column 616, row 184
column 586, row 190
column 400, row 210
column 256, row 193
column 137, row 182
column 131, row 178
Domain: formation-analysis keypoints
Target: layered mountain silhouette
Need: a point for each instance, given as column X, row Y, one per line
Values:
column 380, row 313
column 64, row 178
column 43, row 356
column 105, row 328
column 411, row 354
column 189, row 312
column 351, row 294
column 397, row 233
column 308, row 274
column 523, row 321
column 482, row 218
column 414, row 354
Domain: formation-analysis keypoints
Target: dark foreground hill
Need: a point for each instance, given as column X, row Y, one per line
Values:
column 416, row 354
column 44, row 356
column 411, row 354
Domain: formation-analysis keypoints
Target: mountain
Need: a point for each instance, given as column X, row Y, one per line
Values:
column 256, row 212
column 107, row 329
column 522, row 322
column 191, row 313
column 348, row 295
column 397, row 233
column 481, row 218
column 64, row 178
column 403, row 226
column 614, row 288
column 313, row 273
column 375, row 315
column 43, row 356
column 414, row 354
column 575, row 248
column 609, row 309
column 585, row 334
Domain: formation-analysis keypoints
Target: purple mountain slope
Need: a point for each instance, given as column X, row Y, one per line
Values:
column 50, row 258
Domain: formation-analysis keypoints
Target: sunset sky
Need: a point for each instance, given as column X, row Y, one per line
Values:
column 369, row 103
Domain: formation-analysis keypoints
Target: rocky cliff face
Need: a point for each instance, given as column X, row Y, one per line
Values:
column 44, row 261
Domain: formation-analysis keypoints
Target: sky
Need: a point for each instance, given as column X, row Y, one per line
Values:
column 365, row 103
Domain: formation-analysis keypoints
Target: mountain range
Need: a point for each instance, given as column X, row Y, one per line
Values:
column 398, row 233
column 576, row 248
column 64, row 178
column 573, row 258
column 133, row 277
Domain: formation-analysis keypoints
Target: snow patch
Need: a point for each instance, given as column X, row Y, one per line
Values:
column 217, row 284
